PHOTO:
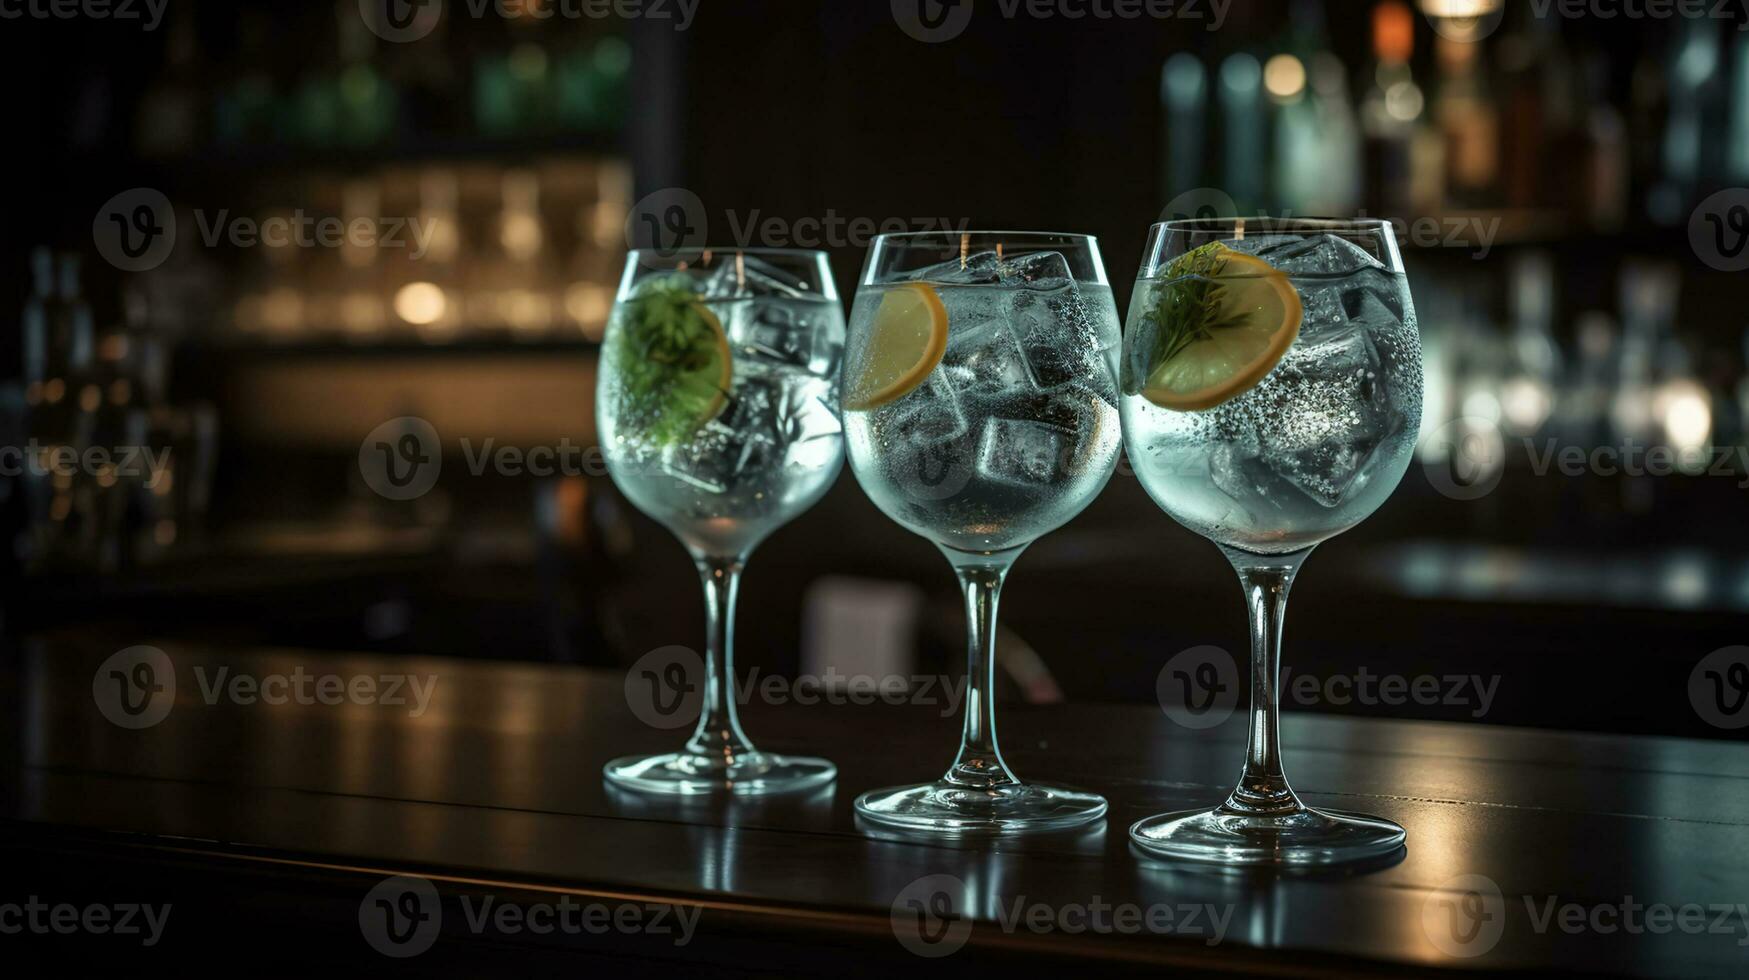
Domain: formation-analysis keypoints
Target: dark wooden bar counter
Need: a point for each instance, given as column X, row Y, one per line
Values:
column 266, row 828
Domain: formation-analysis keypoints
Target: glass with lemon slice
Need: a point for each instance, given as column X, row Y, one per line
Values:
column 1271, row 399
column 717, row 404
column 980, row 403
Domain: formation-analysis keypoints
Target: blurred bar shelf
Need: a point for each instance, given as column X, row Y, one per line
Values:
column 471, row 346
column 1665, row 580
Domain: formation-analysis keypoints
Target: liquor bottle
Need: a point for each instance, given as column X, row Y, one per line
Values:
column 1534, row 374
column 1244, row 127
column 169, row 120
column 1300, row 118
column 1339, row 153
column 1463, row 109
column 1737, row 152
column 1695, row 80
column 244, row 112
column 1392, row 105
column 1604, row 157
column 1184, row 98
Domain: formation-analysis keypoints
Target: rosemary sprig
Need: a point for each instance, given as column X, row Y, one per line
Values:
column 1187, row 307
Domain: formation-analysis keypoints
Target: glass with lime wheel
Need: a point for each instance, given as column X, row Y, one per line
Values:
column 718, row 411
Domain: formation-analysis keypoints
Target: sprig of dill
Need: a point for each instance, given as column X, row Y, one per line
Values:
column 1188, row 303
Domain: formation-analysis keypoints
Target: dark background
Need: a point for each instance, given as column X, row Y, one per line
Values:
column 1589, row 599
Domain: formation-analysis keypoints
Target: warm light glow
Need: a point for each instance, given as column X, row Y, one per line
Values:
column 1284, row 76
column 1404, row 101
column 1393, row 33
column 361, row 312
column 1481, row 405
column 420, row 303
column 114, row 347
column 520, row 234
column 1525, row 403
column 1459, row 9
column 282, row 310
column 1684, row 410
column 588, row 304
column 1461, row 20
column 525, row 309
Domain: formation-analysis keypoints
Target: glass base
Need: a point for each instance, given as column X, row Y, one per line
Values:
column 690, row 774
column 1295, row 838
column 951, row 808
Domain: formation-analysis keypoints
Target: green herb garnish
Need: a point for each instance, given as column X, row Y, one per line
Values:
column 673, row 360
column 1187, row 307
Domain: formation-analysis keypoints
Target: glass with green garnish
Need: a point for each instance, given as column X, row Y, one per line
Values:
column 1271, row 379
column 718, row 411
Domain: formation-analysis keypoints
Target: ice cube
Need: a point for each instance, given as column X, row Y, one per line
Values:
column 978, row 267
column 1236, row 470
column 1064, row 432
column 983, row 353
column 1316, row 255
column 1374, row 307
column 737, row 274
column 1021, row 451
column 1042, row 269
column 1336, row 413
column 702, row 461
column 752, row 420
column 1257, row 244
column 795, row 334
column 928, row 416
column 807, row 430
column 1059, row 335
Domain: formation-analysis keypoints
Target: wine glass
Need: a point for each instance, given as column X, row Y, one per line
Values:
column 718, row 407
column 980, row 401
column 1272, row 395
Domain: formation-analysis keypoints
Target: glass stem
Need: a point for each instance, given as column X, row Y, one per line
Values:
column 719, row 732
column 979, row 763
column 1263, row 788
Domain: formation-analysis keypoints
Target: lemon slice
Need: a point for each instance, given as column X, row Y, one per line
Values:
column 1222, row 331
column 905, row 343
